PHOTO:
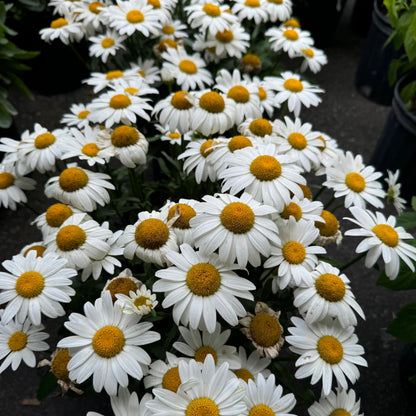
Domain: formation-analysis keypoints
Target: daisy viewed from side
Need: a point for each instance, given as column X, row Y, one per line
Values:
column 278, row 9
column 290, row 40
column 67, row 29
column 302, row 209
column 251, row 10
column 393, row 191
column 313, row 58
column 122, row 284
column 251, row 366
column 107, row 345
column 329, row 231
column 77, row 116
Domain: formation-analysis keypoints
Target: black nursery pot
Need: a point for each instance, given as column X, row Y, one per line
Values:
column 371, row 78
column 396, row 147
column 407, row 368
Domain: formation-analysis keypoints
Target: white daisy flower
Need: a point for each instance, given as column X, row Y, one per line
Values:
column 358, row 183
column 329, row 153
column 12, row 186
column 19, row 341
column 198, row 286
column 313, row 58
column 382, row 237
column 296, row 92
column 303, row 210
column 263, row 173
column 149, row 238
column 328, row 294
column 13, row 155
column 79, row 241
column 259, row 128
column 77, row 116
column 67, row 29
column 147, row 70
column 326, row 351
column 123, row 284
column 173, row 29
column 173, row 137
column 89, row 13
column 81, row 188
column 393, row 191
column 290, row 40
column 141, row 302
column 198, row 346
column 295, row 255
column 252, row 365
column 278, row 9
column 265, row 398
column 251, row 10
column 341, row 401
column 35, row 285
column 62, row 6
column 114, row 78
column 266, row 96
column 107, row 345
column 240, row 228
column 107, row 44
column 213, row 392
column 37, row 246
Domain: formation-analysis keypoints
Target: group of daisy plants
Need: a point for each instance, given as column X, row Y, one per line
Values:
column 184, row 247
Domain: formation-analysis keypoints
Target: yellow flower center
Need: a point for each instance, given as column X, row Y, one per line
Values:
column 212, row 102
column 275, row 1
column 70, row 237
column 44, row 140
column 154, row 3
column 6, row 180
column 83, row 114
column 306, row 191
column 202, row 352
column 330, row 226
column 56, row 214
column 251, row 60
column 174, row 136
column 142, row 74
column 262, row 94
column 297, row 140
column 29, row 284
column 164, row 44
column 179, row 101
column 114, row 74
column 239, row 94
column 107, row 43
column 340, row 412
column 308, row 52
column 59, row 365
column 72, row 179
column 237, row 217
column 225, row 36
column 168, row 30
column 330, row 287
column 131, row 90
column 387, row 234
column 38, row 249
column 90, row 149
column 239, row 142
column 205, row 148
column 186, row 212
column 152, row 234
column 124, row 136
column 203, row 279
column 244, row 374
column 294, row 252
column 261, row 127
column 330, row 349
column 212, row 10
column 119, row 101
column 135, row 16
column 108, row 341
column 172, row 380
column 17, row 341
column 323, row 147
column 57, row 23
column 94, row 7
column 355, row 182
column 265, row 168
column 293, row 85
column 261, row 410
column 292, row 23
column 265, row 330
column 121, row 285
column 291, row 34
column 202, row 407
column 188, row 66
column 252, row 3
column 293, row 210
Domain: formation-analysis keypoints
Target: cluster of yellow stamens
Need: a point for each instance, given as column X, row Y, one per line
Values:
column 212, row 102
column 237, row 217
column 17, row 341
column 330, row 349
column 124, row 136
column 355, row 182
column 186, row 212
column 261, row 410
column 203, row 279
column 70, row 237
column 135, row 16
column 202, row 407
column 266, row 168
column 72, row 179
column 330, row 287
column 151, row 234
column 294, row 252
column 265, row 330
column 172, row 380
column 179, row 101
column 44, row 140
column 108, row 341
column 6, row 180
column 30, row 284
column 387, row 234
column 121, row 285
column 261, row 127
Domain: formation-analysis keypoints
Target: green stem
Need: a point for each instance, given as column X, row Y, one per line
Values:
column 318, row 193
column 133, row 182
column 329, row 203
column 354, row 260
column 337, row 207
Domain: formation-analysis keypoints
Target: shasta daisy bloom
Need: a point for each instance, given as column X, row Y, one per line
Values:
column 141, row 302
column 62, row 6
column 266, row 96
column 259, row 128
column 382, row 237
column 313, row 58
column 251, row 10
column 263, row 173
column 351, row 179
column 67, row 29
column 329, row 153
column 294, row 254
column 244, row 92
column 89, row 13
column 250, row 63
column 265, row 398
column 341, row 401
column 147, row 70
column 35, row 285
column 114, row 78
column 107, row 44
column 296, row 92
column 173, row 136
column 213, row 392
column 79, row 241
column 329, row 231
column 328, row 294
column 278, row 9
column 198, row 286
column 240, row 228
column 122, row 284
column 173, row 29
column 37, row 246
column 252, row 365
column 19, row 341
column 327, row 351
column 175, row 111
column 12, row 186
column 107, row 345
column 199, row 347
column 77, row 116
column 81, row 188
column 303, row 209
column 13, row 155
column 290, row 40
column 149, row 238
column 299, row 141
column 393, row 191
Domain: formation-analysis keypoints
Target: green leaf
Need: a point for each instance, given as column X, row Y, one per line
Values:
column 47, row 385
column 5, row 118
column 410, row 40
column 406, row 279
column 407, row 220
column 394, row 67
column 414, row 203
column 404, row 326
